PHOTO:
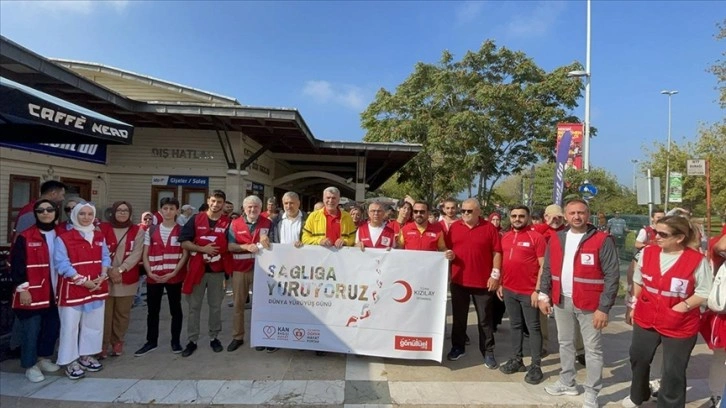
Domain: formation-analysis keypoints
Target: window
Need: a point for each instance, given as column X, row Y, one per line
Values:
column 23, row 189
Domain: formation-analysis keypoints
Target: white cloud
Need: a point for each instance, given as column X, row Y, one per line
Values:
column 325, row 92
column 468, row 11
column 538, row 21
column 84, row 7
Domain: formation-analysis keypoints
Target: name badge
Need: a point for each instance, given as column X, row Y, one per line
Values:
column 679, row 285
column 174, row 241
column 524, row 244
column 34, row 244
column 218, row 229
column 264, row 231
column 587, row 259
column 385, row 241
column 211, row 238
column 431, row 234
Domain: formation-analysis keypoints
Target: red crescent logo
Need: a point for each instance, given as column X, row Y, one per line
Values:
column 409, row 291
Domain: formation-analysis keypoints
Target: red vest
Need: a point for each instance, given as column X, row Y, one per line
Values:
column 38, row 270
column 663, row 291
column 204, row 235
column 165, row 256
column 649, row 235
column 132, row 275
column 428, row 241
column 87, row 261
column 62, row 227
column 245, row 261
column 587, row 278
column 385, row 240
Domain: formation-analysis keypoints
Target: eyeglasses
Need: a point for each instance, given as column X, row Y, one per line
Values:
column 122, row 211
column 463, row 211
column 419, row 211
column 49, row 210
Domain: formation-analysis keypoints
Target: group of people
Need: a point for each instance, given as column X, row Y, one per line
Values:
column 77, row 279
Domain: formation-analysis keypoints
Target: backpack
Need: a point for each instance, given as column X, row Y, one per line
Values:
column 717, row 297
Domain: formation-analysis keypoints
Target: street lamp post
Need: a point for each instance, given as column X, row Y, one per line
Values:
column 586, row 73
column 668, row 151
column 635, row 162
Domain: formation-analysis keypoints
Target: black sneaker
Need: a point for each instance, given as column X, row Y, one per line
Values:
column 148, row 347
column 190, row 349
column 216, row 346
column 260, row 348
column 514, row 365
column 455, row 354
column 321, row 353
column 176, row 348
column 580, row 358
column 235, row 344
column 534, row 375
column 271, row 349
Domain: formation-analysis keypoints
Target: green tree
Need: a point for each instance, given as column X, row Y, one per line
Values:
column 395, row 189
column 719, row 68
column 487, row 116
column 711, row 144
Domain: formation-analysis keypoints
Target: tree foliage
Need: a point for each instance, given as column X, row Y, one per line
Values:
column 487, row 116
column 711, row 144
column 719, row 68
column 611, row 196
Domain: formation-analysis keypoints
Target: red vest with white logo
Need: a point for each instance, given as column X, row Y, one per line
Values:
column 165, row 256
column 649, row 235
column 663, row 291
column 87, row 261
column 132, row 275
column 38, row 270
column 385, row 240
column 205, row 235
column 588, row 281
column 245, row 261
column 428, row 241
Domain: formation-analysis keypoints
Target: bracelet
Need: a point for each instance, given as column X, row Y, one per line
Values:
column 259, row 246
column 542, row 297
column 687, row 305
column 495, row 273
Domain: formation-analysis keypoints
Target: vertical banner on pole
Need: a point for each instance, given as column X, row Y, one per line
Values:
column 676, row 188
column 574, row 151
column 563, row 148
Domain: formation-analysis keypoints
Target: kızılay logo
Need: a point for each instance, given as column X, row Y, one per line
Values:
column 411, row 343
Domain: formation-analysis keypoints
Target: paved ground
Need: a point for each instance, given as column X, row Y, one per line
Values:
column 250, row 378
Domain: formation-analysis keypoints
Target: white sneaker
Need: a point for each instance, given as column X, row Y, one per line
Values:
column 33, row 374
column 628, row 403
column 590, row 400
column 557, row 388
column 47, row 366
column 654, row 387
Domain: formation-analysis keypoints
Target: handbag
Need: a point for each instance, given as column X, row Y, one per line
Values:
column 717, row 297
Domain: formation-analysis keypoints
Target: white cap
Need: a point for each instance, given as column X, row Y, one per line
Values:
column 187, row 207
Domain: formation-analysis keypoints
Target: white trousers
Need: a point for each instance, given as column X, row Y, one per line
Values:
column 81, row 333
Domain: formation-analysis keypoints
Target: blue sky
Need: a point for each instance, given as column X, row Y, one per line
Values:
column 328, row 59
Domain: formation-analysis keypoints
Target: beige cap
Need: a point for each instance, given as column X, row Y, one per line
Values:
column 554, row 210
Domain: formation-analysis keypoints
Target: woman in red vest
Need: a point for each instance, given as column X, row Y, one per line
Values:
column 670, row 283
column 33, row 300
column 125, row 242
column 81, row 258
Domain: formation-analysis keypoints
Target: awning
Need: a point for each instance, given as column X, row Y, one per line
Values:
column 30, row 116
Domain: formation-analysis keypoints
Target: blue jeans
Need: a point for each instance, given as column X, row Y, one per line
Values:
column 39, row 333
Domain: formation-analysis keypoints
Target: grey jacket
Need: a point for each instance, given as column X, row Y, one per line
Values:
column 609, row 263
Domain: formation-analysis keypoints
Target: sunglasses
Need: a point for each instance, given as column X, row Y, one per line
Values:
column 664, row 234
column 419, row 211
column 68, row 209
column 463, row 211
column 49, row 210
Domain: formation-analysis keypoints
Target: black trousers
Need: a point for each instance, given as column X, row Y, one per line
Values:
column 521, row 312
column 676, row 354
column 154, row 293
column 460, row 298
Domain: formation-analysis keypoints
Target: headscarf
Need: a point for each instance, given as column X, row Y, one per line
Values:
column 114, row 222
column 45, row 226
column 491, row 217
column 86, row 231
column 142, row 224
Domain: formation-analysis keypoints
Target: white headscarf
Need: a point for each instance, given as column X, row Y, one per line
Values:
column 86, row 231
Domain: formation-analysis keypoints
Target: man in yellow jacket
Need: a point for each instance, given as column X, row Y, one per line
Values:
column 329, row 226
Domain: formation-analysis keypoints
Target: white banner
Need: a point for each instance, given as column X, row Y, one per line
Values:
column 377, row 302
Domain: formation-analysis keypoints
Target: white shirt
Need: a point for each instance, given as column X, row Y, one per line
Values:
column 568, row 263
column 642, row 236
column 374, row 231
column 290, row 228
column 164, row 231
column 182, row 219
column 50, row 240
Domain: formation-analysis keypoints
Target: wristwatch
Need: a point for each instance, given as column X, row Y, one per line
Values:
column 121, row 269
